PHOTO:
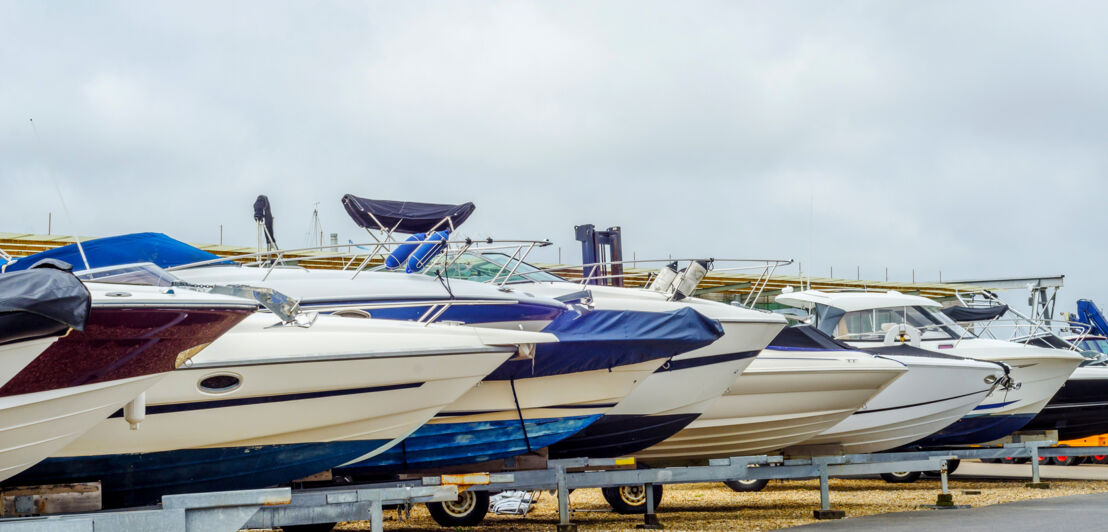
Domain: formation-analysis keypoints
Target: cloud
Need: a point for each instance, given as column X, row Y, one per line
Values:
column 962, row 137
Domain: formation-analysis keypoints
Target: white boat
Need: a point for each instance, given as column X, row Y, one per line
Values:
column 265, row 405
column 134, row 336
column 790, row 394
column 885, row 318
column 683, row 388
column 527, row 405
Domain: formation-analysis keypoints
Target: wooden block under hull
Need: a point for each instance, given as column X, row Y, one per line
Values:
column 51, row 499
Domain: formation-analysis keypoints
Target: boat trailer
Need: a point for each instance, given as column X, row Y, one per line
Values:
column 285, row 507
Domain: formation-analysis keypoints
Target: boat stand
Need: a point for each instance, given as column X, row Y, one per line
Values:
column 223, row 511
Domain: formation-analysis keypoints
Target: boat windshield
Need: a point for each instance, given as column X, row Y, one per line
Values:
column 482, row 267
column 146, row 273
column 1099, row 345
column 873, row 324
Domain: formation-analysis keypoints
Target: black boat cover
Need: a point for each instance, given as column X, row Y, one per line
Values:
column 975, row 314
column 41, row 301
column 907, row 350
column 262, row 213
column 806, row 337
column 408, row 217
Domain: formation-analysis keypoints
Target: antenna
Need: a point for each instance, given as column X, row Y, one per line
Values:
column 61, row 198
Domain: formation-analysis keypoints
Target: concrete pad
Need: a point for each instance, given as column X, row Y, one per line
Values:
column 1076, row 512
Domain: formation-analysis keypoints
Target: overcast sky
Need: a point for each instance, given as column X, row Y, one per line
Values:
column 966, row 137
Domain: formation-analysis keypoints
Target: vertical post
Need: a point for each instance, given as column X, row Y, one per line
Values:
column 376, row 520
column 824, row 489
column 1035, row 464
column 942, row 478
column 563, row 500
column 649, row 518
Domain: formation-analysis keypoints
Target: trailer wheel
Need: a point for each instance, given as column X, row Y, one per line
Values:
column 1069, row 460
column 901, row 477
column 631, row 499
column 468, row 510
column 1047, row 460
column 748, row 485
column 316, row 527
column 1099, row 459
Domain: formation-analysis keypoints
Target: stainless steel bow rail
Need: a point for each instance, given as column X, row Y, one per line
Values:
column 282, row 507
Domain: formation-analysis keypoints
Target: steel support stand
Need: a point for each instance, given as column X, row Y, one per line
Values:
column 825, row 511
column 650, row 519
column 945, row 500
column 564, row 525
column 376, row 520
column 1036, row 482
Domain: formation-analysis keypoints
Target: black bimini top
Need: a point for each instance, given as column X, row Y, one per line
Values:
column 407, row 217
column 41, row 302
column 806, row 337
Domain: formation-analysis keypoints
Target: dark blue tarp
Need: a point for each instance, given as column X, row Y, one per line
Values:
column 603, row 339
column 123, row 249
column 408, row 217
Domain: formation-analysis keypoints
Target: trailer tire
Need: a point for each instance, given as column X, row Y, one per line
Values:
column 631, row 499
column 1069, row 460
column 1099, row 459
column 749, row 485
column 468, row 510
column 901, row 477
column 315, row 527
column 1047, row 460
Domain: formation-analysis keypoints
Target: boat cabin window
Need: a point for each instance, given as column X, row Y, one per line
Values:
column 146, row 274
column 873, row 324
column 483, row 267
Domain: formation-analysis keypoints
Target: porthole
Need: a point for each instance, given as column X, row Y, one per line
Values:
column 220, row 383
column 353, row 313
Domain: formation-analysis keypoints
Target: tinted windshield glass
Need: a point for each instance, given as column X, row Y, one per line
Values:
column 873, row 324
column 138, row 274
column 1096, row 344
column 487, row 266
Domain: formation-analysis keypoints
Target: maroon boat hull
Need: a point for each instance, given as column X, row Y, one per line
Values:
column 120, row 343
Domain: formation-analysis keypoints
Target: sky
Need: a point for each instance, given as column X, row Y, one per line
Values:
column 961, row 137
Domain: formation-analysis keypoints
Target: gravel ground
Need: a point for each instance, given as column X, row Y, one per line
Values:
column 781, row 504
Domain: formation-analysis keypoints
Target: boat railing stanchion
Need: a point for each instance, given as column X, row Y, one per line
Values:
column 564, row 525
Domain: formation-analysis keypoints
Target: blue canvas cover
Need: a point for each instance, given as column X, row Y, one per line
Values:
column 123, row 249
column 407, row 216
column 602, row 339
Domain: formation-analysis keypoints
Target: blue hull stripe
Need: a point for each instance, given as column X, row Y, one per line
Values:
column 141, row 479
column 994, row 405
column 977, row 429
column 675, row 365
column 225, row 403
column 449, row 444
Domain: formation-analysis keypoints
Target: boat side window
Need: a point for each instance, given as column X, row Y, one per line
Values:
column 146, row 274
column 948, row 327
column 863, row 325
column 1096, row 344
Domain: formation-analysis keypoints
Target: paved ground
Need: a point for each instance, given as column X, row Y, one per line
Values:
column 1023, row 471
column 1077, row 512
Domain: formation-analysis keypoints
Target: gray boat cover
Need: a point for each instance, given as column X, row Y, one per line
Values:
column 41, row 301
column 407, row 217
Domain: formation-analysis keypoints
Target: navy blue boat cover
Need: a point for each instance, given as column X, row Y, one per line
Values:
column 41, row 302
column 603, row 339
column 263, row 214
column 408, row 217
column 975, row 314
column 123, row 249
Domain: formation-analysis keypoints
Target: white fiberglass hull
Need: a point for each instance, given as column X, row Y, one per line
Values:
column 15, row 356
column 296, row 385
column 39, row 424
column 1039, row 371
column 934, row 393
column 782, row 399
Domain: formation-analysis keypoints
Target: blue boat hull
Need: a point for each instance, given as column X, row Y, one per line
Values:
column 976, row 429
column 451, row 444
column 141, row 479
column 620, row 435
